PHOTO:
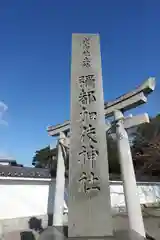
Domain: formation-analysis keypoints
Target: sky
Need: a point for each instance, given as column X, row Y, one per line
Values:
column 35, row 54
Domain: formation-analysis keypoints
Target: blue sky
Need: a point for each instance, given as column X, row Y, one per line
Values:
column 35, row 50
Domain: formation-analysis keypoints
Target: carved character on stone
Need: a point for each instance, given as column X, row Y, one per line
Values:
column 86, row 62
column 87, row 82
column 86, row 43
column 86, row 53
column 89, row 154
column 85, row 115
column 89, row 182
column 88, row 133
column 86, row 46
column 87, row 97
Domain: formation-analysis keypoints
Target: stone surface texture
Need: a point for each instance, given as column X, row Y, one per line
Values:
column 89, row 209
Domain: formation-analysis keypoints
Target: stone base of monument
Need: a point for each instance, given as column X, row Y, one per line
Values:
column 57, row 233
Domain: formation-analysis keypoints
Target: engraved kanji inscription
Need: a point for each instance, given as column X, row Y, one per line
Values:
column 92, row 155
column 87, row 97
column 93, row 115
column 89, row 182
column 86, row 116
column 86, row 52
column 86, row 62
column 89, row 154
column 88, row 134
column 87, row 82
column 86, row 43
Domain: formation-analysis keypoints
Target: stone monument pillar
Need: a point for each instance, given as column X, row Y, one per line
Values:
column 89, row 195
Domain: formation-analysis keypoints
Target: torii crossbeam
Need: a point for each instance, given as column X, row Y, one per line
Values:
column 123, row 103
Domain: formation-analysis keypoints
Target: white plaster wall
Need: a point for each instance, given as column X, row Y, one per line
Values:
column 30, row 197
column 148, row 193
column 23, row 198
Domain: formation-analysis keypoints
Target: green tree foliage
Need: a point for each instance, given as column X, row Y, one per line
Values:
column 45, row 158
column 146, row 148
column 145, row 152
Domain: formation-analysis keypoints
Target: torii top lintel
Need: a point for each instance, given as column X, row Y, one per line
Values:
column 123, row 103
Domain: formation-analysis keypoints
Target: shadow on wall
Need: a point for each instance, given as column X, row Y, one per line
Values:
column 35, row 224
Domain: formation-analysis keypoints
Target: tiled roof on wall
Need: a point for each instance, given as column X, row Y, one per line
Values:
column 30, row 172
column 24, row 172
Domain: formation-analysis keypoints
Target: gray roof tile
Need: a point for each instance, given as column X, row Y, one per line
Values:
column 25, row 172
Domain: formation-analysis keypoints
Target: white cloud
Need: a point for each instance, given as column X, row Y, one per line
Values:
column 5, row 155
column 3, row 109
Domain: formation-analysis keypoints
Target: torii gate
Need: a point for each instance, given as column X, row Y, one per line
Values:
column 114, row 108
